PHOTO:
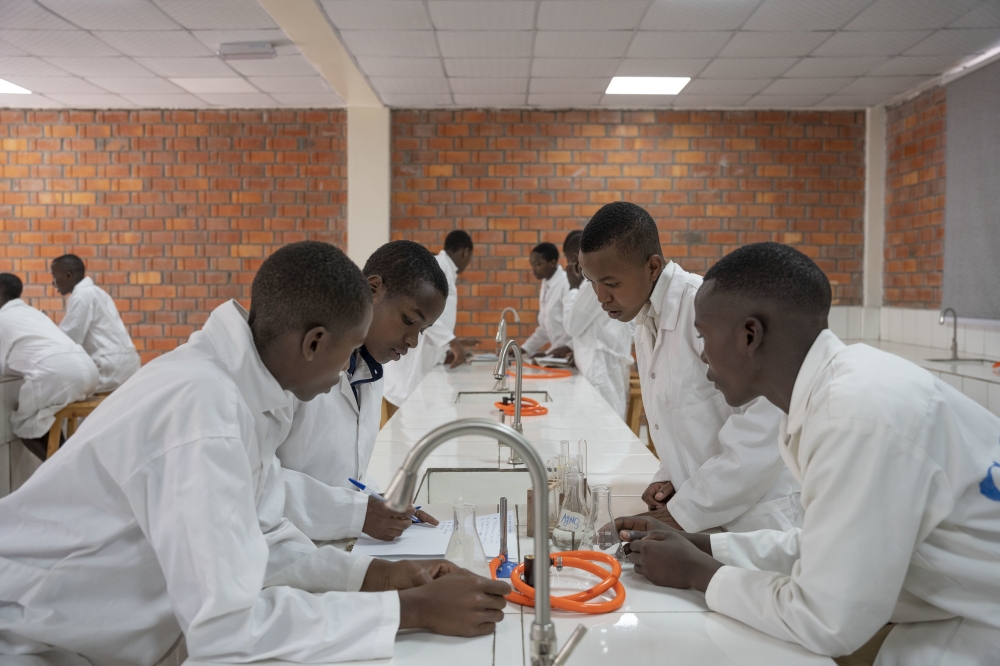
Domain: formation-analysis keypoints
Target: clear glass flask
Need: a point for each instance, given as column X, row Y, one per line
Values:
column 464, row 548
column 601, row 534
column 570, row 531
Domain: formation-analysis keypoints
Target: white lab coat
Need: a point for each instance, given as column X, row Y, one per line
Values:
column 92, row 321
column 331, row 440
column 550, row 329
column 163, row 514
column 723, row 461
column 601, row 346
column 403, row 376
column 56, row 370
column 900, row 478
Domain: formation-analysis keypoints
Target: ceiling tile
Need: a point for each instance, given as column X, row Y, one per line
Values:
column 488, row 86
column 495, row 101
column 678, row 44
column 560, row 101
column 112, row 14
column 29, row 15
column 11, row 50
column 827, row 67
column 291, row 84
column 637, row 101
column 851, row 101
column 328, row 100
column 217, row 14
column 84, row 101
column 237, row 101
column 985, row 15
column 773, row 44
column 958, row 42
column 726, row 86
column 28, row 102
column 847, row 44
column 783, row 101
column 804, row 14
column 290, row 65
column 138, row 86
column 661, row 66
column 910, row 14
column 188, row 67
column 594, row 44
column 574, row 67
column 199, row 86
column 54, row 84
column 590, row 14
column 418, row 101
column 153, row 43
column 377, row 14
column 182, row 101
column 751, row 68
column 684, row 101
column 485, row 44
column 887, row 85
column 499, row 67
column 914, row 66
column 106, row 67
column 698, row 14
column 410, row 86
column 213, row 38
column 58, row 43
column 19, row 66
column 806, row 86
column 575, row 86
column 378, row 66
column 483, row 15
column 404, row 43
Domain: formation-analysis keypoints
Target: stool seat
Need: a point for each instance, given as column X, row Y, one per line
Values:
column 71, row 413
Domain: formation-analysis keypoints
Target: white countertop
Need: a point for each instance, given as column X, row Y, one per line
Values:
column 921, row 355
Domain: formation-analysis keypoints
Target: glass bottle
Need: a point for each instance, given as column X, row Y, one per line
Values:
column 601, row 533
column 464, row 548
column 570, row 530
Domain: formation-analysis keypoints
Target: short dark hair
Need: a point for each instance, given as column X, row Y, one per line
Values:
column 457, row 240
column 629, row 228
column 304, row 285
column 548, row 251
column 572, row 243
column 403, row 265
column 71, row 263
column 10, row 287
column 776, row 273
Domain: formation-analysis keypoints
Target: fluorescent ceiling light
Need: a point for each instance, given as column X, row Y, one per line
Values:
column 247, row 51
column 11, row 89
column 647, row 85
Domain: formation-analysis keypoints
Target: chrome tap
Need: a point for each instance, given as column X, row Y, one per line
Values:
column 500, row 373
column 502, row 327
column 954, row 334
column 404, row 486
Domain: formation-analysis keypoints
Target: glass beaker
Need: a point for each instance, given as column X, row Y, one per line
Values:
column 464, row 548
column 602, row 535
column 570, row 530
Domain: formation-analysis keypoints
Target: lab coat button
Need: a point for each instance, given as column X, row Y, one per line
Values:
column 656, row 426
column 652, row 375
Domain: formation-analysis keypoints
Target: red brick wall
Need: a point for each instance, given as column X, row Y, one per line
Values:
column 171, row 210
column 914, row 198
column 712, row 180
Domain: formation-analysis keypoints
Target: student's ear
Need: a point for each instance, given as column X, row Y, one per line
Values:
column 654, row 266
column 378, row 288
column 312, row 341
column 752, row 335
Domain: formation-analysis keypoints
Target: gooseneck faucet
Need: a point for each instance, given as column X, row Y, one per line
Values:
column 404, row 485
column 502, row 327
column 500, row 372
column 954, row 333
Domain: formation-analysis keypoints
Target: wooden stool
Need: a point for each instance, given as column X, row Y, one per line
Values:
column 71, row 413
column 634, row 410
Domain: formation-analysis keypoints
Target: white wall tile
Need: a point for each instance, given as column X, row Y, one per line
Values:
column 941, row 334
column 925, row 328
column 838, row 321
column 854, row 322
column 976, row 389
column 991, row 344
column 883, row 323
column 953, row 380
column 993, row 398
column 974, row 340
column 908, row 330
column 896, row 325
column 871, row 323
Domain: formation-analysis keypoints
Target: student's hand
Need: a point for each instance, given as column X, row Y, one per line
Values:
column 470, row 342
column 663, row 515
column 456, row 604
column 456, row 355
column 384, row 575
column 383, row 524
column 640, row 523
column 560, row 352
column 658, row 493
column 574, row 274
column 669, row 559
column 633, row 528
column 425, row 517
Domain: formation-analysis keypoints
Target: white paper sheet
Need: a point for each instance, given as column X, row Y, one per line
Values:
column 420, row 541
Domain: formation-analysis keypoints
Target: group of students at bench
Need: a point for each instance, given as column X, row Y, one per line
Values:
column 856, row 494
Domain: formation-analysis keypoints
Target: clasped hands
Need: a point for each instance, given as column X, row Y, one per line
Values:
column 666, row 556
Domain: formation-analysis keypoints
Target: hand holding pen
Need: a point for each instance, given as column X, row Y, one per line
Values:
column 381, row 523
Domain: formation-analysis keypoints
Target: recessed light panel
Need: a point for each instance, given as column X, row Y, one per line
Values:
column 11, row 89
column 647, row 85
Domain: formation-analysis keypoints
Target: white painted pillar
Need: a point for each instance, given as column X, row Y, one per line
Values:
column 368, row 180
column 875, row 164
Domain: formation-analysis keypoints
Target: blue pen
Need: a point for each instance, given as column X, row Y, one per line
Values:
column 371, row 493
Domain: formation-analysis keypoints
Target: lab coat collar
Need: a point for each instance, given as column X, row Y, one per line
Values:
column 824, row 348
column 363, row 373
column 451, row 262
column 656, row 312
column 85, row 282
column 230, row 334
column 13, row 303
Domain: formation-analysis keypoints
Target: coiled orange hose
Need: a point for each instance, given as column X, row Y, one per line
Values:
column 524, row 594
column 543, row 373
column 529, row 407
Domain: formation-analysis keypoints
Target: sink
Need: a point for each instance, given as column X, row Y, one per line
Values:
column 960, row 360
column 489, row 397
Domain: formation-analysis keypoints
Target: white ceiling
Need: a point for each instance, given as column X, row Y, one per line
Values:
column 492, row 53
column 149, row 54
column 739, row 53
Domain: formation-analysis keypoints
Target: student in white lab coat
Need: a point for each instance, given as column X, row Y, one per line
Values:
column 92, row 321
column 163, row 513
column 56, row 370
column 438, row 343
column 602, row 347
column 545, row 266
column 332, row 437
column 900, row 483
column 719, row 465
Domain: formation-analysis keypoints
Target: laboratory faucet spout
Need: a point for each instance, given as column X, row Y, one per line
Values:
column 954, row 333
column 502, row 326
column 501, row 371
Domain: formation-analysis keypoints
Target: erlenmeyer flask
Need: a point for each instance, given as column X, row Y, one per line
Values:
column 570, row 531
column 464, row 548
column 602, row 535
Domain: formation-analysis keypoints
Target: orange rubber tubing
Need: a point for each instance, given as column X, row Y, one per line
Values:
column 529, row 407
column 578, row 602
column 544, row 373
